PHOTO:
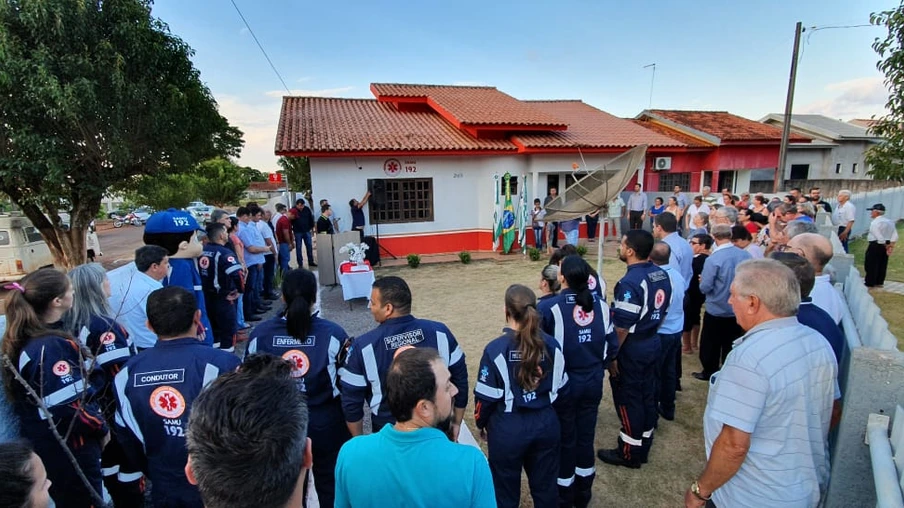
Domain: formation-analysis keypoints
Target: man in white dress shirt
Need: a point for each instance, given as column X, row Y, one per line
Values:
column 130, row 288
column 843, row 217
column 882, row 238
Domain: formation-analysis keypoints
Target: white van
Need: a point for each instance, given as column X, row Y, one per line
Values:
column 22, row 248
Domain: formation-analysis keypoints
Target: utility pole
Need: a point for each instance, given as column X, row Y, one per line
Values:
column 789, row 101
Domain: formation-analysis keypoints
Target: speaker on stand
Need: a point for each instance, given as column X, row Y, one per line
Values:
column 378, row 201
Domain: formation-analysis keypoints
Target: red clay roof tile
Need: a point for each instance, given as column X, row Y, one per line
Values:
column 326, row 125
column 723, row 125
column 589, row 127
column 690, row 141
column 471, row 105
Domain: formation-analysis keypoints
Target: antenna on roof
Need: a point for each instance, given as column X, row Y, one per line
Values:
column 652, row 81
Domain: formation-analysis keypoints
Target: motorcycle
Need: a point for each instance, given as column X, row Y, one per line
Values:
column 130, row 219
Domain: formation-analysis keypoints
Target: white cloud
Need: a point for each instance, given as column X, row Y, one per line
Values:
column 324, row 92
column 855, row 98
column 469, row 83
column 258, row 118
column 244, row 31
column 305, row 79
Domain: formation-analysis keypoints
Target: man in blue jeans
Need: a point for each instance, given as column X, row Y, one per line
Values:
column 302, row 224
column 254, row 260
column 284, row 237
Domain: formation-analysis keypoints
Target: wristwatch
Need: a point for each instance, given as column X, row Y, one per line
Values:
column 695, row 490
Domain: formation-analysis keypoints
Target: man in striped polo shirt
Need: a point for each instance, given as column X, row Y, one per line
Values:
column 769, row 409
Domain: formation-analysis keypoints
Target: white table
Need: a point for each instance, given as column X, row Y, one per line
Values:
column 356, row 283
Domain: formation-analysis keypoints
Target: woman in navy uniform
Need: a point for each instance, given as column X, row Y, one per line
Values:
column 313, row 345
column 90, row 319
column 522, row 375
column 57, row 368
column 596, row 283
column 581, row 326
column 549, row 283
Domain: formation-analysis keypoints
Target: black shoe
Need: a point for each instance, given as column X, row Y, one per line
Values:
column 254, row 317
column 614, row 458
column 678, row 387
column 312, row 265
column 271, row 297
column 668, row 416
column 701, row 376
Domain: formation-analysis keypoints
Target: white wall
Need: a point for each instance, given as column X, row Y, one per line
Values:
column 822, row 162
column 463, row 186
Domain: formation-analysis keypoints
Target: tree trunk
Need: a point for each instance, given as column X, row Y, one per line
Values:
column 66, row 247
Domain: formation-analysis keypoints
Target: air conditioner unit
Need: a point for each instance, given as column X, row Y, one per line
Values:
column 662, row 164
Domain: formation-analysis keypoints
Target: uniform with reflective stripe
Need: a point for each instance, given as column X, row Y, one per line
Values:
column 154, row 394
column 184, row 273
column 221, row 277
column 109, row 341
column 54, row 369
column 588, row 340
column 522, row 426
column 364, row 374
column 640, row 304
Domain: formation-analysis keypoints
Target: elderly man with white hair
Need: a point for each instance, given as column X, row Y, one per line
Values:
column 843, row 217
column 769, row 409
column 818, row 251
column 727, row 215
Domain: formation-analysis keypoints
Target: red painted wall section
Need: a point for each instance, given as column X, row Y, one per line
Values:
column 453, row 243
column 742, row 157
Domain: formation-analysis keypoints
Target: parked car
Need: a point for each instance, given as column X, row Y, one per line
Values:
column 195, row 204
column 143, row 213
column 22, row 248
column 201, row 213
column 116, row 213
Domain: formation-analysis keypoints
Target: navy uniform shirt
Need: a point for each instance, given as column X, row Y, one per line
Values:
column 587, row 338
column 52, row 366
column 220, row 270
column 154, row 395
column 498, row 390
column 314, row 356
column 184, row 273
column 641, row 299
column 109, row 342
column 364, row 374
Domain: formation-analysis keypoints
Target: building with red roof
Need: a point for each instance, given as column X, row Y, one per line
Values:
column 433, row 153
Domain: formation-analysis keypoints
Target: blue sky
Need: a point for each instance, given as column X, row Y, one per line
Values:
column 721, row 55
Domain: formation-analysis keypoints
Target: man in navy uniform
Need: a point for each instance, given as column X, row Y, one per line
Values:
column 364, row 375
column 155, row 391
column 641, row 301
column 221, row 277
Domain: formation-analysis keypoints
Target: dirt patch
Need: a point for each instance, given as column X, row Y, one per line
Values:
column 469, row 299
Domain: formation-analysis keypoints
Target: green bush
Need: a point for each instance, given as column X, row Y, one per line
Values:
column 464, row 256
column 582, row 250
column 534, row 253
column 414, row 260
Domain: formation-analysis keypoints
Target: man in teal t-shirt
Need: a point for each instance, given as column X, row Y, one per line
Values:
column 413, row 463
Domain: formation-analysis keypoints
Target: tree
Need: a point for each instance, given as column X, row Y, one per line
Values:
column 95, row 93
column 886, row 160
column 221, row 182
column 164, row 191
column 297, row 172
column 254, row 175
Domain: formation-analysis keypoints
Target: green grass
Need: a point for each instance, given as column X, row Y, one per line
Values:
column 895, row 263
column 889, row 303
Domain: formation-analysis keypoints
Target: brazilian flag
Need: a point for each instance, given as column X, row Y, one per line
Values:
column 506, row 224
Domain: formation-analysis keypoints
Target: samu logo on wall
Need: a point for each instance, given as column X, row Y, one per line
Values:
column 393, row 167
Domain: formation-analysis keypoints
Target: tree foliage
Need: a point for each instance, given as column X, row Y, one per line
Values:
column 95, row 93
column 886, row 160
column 297, row 172
column 220, row 182
column 163, row 191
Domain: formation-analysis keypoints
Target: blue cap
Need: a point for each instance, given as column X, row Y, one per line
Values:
column 171, row 221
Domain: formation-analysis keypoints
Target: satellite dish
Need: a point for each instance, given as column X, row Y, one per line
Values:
column 599, row 186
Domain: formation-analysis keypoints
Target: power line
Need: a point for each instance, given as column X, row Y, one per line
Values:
column 817, row 28
column 278, row 75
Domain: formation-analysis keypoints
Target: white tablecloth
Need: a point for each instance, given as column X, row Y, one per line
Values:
column 356, row 284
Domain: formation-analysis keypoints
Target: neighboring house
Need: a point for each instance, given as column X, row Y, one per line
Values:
column 866, row 123
column 258, row 191
column 431, row 153
column 836, row 152
column 725, row 151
